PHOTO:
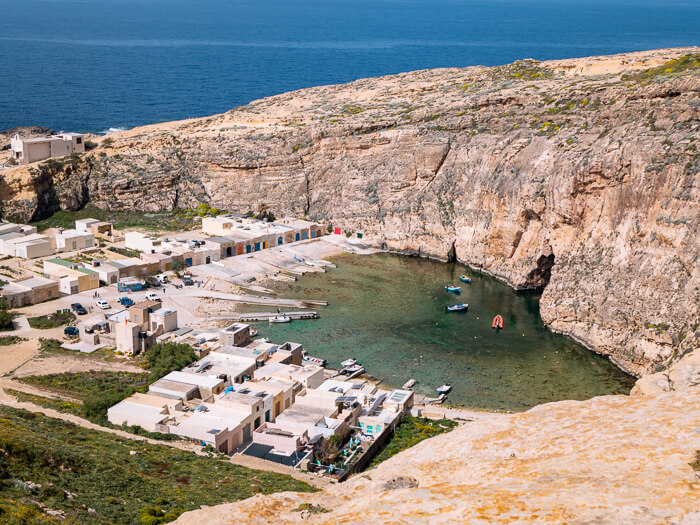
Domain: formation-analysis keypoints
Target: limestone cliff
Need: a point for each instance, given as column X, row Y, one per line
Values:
column 581, row 176
column 612, row 459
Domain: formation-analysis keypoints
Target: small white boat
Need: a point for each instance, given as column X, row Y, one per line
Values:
column 349, row 362
column 354, row 369
column 444, row 389
column 457, row 307
column 253, row 332
column 280, row 319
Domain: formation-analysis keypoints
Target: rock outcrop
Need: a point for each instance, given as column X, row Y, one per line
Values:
column 581, row 177
column 565, row 462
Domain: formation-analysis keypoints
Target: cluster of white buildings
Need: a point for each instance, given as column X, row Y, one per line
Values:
column 229, row 235
column 23, row 241
column 261, row 398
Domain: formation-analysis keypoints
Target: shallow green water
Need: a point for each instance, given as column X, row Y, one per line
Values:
column 388, row 312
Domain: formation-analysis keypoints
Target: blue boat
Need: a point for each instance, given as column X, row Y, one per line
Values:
column 457, row 307
column 465, row 279
column 453, row 289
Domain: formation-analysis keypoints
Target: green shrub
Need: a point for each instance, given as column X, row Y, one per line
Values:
column 53, row 320
column 7, row 340
column 163, row 358
column 6, row 323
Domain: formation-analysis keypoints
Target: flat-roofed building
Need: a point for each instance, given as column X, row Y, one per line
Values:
column 236, row 334
column 107, row 273
column 74, row 277
column 28, row 246
column 283, row 439
column 310, row 376
column 32, row 290
column 28, row 150
column 97, row 228
column 72, row 240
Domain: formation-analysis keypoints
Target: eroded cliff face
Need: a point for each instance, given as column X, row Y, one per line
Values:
column 565, row 462
column 580, row 176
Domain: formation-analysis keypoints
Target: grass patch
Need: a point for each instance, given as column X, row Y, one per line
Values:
column 61, row 405
column 101, row 473
column 126, row 252
column 53, row 320
column 7, row 340
column 121, row 219
column 411, row 431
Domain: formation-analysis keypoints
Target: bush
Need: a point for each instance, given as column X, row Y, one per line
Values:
column 6, row 323
column 163, row 358
column 53, row 320
column 8, row 340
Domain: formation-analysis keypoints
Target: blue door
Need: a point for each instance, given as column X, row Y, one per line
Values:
column 313, row 233
column 304, row 235
column 188, row 261
column 257, row 246
column 247, row 248
column 280, row 241
column 296, row 237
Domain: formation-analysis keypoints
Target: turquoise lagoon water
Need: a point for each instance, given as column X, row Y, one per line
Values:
column 388, row 312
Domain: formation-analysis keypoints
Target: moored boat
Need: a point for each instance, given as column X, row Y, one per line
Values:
column 465, row 279
column 354, row 369
column 497, row 322
column 253, row 332
column 312, row 359
column 283, row 318
column 348, row 362
column 457, row 307
column 453, row 289
column 444, row 389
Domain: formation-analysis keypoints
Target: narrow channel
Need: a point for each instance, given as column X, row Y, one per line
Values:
column 388, row 312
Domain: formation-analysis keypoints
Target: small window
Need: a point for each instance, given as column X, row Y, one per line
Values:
column 79, row 140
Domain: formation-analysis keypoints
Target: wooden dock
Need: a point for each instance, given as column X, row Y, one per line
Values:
column 264, row 316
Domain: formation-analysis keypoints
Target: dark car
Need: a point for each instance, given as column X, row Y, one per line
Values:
column 187, row 280
column 78, row 308
column 71, row 331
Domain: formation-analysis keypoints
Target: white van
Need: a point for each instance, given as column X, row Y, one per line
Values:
column 163, row 278
column 151, row 296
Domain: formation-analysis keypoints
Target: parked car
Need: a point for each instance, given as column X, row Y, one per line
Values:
column 152, row 296
column 152, row 280
column 126, row 301
column 187, row 280
column 102, row 304
column 71, row 331
column 78, row 308
column 163, row 278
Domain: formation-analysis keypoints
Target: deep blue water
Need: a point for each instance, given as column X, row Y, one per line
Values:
column 87, row 65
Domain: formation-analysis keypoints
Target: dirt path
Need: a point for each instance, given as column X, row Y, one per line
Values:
column 58, row 364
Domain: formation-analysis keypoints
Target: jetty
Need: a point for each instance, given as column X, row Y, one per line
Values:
column 409, row 384
column 264, row 316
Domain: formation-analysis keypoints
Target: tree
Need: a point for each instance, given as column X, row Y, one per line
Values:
column 179, row 268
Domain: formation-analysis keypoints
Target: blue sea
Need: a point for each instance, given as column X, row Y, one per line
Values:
column 92, row 65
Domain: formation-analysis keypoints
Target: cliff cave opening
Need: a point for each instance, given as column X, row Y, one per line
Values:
column 539, row 277
column 452, row 254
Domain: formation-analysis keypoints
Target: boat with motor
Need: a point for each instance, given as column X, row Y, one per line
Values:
column 465, row 279
column 349, row 362
column 311, row 359
column 253, row 332
column 497, row 322
column 280, row 318
column 354, row 369
column 453, row 289
column 444, row 389
column 457, row 307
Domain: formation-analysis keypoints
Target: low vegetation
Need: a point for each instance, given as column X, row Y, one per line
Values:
column 696, row 462
column 99, row 390
column 98, row 478
column 672, row 67
column 6, row 323
column 8, row 340
column 52, row 320
column 409, row 432
column 122, row 219
column 126, row 252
